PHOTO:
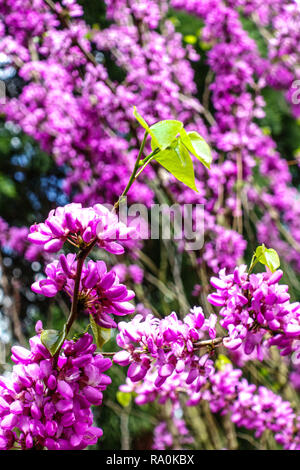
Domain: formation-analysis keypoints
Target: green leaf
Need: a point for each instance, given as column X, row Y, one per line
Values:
column 264, row 371
column 7, row 186
column 163, row 133
column 205, row 46
column 174, row 149
column 53, row 339
column 197, row 146
column 140, row 119
column 268, row 257
column 222, row 362
column 190, row 39
column 177, row 161
column 77, row 336
column 101, row 335
column 124, row 398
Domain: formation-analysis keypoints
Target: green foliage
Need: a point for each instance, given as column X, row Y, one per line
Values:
column 222, row 362
column 276, row 111
column 197, row 146
column 255, row 34
column 177, row 161
column 190, row 39
column 124, row 398
column 94, row 11
column 7, row 187
column 140, row 120
column 77, row 336
column 266, row 256
column 30, row 182
column 186, row 24
column 172, row 145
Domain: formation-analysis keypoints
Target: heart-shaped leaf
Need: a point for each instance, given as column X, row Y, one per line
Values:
column 124, row 398
column 101, row 335
column 177, row 161
column 174, row 154
column 197, row 146
column 53, row 339
column 163, row 133
column 222, row 362
column 268, row 257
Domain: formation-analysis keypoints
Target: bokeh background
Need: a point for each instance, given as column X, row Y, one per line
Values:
column 36, row 174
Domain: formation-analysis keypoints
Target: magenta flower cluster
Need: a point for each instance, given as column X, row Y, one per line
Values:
column 87, row 128
column 14, row 239
column 100, row 293
column 240, row 75
column 253, row 305
column 81, row 226
column 254, row 408
column 169, row 344
column 47, row 407
column 76, row 113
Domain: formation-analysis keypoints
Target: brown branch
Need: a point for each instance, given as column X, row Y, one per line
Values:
column 196, row 423
column 167, row 411
column 208, row 343
column 81, row 256
column 213, row 428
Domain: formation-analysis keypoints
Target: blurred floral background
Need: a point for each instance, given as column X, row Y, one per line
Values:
column 73, row 70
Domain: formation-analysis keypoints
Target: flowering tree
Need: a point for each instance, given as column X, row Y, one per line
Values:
column 135, row 109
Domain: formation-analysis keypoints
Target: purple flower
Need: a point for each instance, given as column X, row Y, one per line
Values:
column 254, row 306
column 43, row 406
column 100, row 293
column 167, row 344
column 80, row 226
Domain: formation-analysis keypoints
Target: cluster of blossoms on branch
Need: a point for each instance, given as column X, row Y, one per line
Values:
column 48, row 405
column 80, row 226
column 228, row 393
column 256, row 313
column 253, row 305
column 170, row 343
column 163, row 439
column 87, row 129
column 47, row 402
column 255, row 408
column 100, row 293
column 13, row 239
